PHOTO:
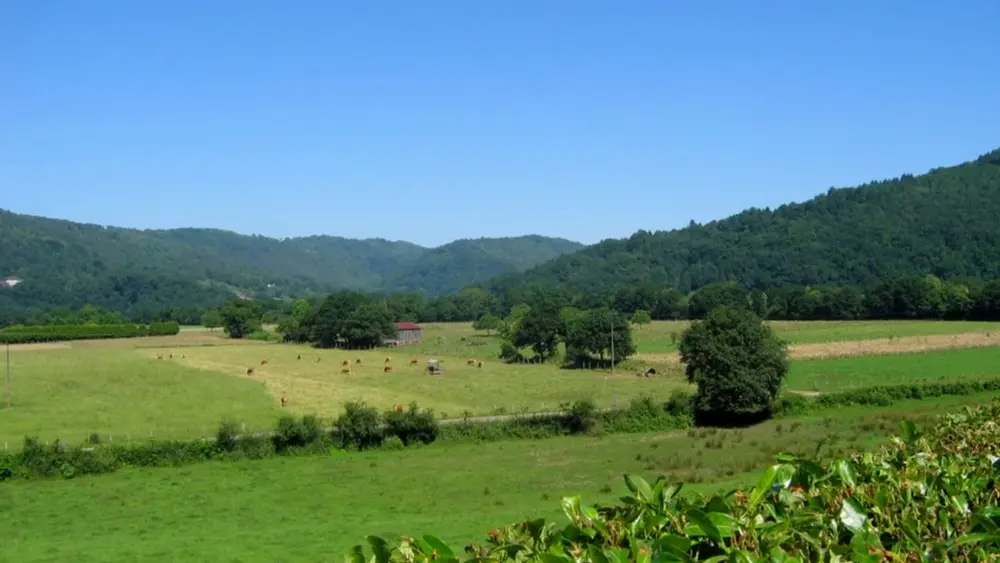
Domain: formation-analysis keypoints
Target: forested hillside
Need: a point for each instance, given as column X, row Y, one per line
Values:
column 945, row 222
column 66, row 264
column 448, row 268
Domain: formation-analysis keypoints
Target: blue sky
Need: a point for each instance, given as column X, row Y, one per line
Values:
column 430, row 120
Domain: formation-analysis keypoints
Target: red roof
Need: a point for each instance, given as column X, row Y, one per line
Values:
column 407, row 326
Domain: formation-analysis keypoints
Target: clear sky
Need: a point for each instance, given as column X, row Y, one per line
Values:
column 432, row 120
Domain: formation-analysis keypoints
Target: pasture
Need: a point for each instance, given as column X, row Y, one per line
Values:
column 119, row 388
column 67, row 393
column 315, row 508
column 938, row 366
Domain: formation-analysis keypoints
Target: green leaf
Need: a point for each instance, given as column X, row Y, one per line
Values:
column 443, row 550
column 673, row 548
column 846, row 472
column 763, row 485
column 356, row 555
column 571, row 507
column 552, row 558
column 596, row 555
column 703, row 522
column 852, row 515
column 380, row 549
column 639, row 486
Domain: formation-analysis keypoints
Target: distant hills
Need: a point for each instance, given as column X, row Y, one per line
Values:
column 67, row 264
column 945, row 222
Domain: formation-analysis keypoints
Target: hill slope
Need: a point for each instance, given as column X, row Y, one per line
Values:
column 945, row 222
column 68, row 264
column 455, row 265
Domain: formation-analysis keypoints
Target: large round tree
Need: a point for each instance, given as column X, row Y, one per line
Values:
column 738, row 364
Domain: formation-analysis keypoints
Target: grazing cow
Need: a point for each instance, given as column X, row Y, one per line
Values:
column 388, row 360
column 398, row 407
column 470, row 362
column 299, row 357
column 159, row 356
column 345, row 363
column 413, row 361
column 263, row 362
column 479, row 364
column 358, row 361
column 387, row 368
column 249, row 371
column 345, row 369
column 171, row 356
column 284, row 400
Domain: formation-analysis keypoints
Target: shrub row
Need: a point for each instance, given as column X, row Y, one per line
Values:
column 921, row 498
column 880, row 396
column 23, row 334
column 363, row 427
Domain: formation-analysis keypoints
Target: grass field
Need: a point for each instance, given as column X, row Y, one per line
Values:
column 938, row 366
column 118, row 387
column 315, row 508
column 69, row 393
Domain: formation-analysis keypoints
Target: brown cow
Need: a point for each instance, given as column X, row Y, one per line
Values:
column 479, row 364
column 159, row 356
column 249, row 371
column 413, row 361
column 284, row 400
column 470, row 362
column 388, row 360
column 345, row 363
column 398, row 407
column 345, row 369
column 263, row 362
column 358, row 361
column 299, row 357
column 387, row 368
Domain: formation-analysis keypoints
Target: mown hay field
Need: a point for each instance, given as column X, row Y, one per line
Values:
column 315, row 508
column 118, row 388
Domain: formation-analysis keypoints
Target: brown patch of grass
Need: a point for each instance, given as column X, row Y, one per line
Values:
column 873, row 347
column 886, row 346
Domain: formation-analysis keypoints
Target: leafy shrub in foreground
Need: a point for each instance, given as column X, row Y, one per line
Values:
column 922, row 498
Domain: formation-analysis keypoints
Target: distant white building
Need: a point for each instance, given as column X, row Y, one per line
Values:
column 10, row 281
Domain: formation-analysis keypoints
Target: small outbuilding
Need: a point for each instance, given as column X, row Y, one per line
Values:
column 406, row 333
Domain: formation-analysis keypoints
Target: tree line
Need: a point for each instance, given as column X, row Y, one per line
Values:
column 910, row 297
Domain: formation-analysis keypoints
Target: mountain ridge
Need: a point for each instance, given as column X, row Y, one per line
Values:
column 945, row 222
column 65, row 263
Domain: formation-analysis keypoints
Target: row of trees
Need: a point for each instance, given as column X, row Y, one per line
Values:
column 918, row 297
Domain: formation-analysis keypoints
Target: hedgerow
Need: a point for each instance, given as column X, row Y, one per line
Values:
column 25, row 334
column 921, row 498
column 363, row 427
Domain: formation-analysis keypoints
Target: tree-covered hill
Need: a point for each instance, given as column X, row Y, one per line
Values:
column 450, row 267
column 945, row 222
column 66, row 264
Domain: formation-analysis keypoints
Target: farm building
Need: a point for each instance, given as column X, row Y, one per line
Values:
column 406, row 333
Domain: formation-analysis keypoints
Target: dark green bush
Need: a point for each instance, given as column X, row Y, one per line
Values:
column 292, row 433
column 411, row 425
column 582, row 416
column 360, row 426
